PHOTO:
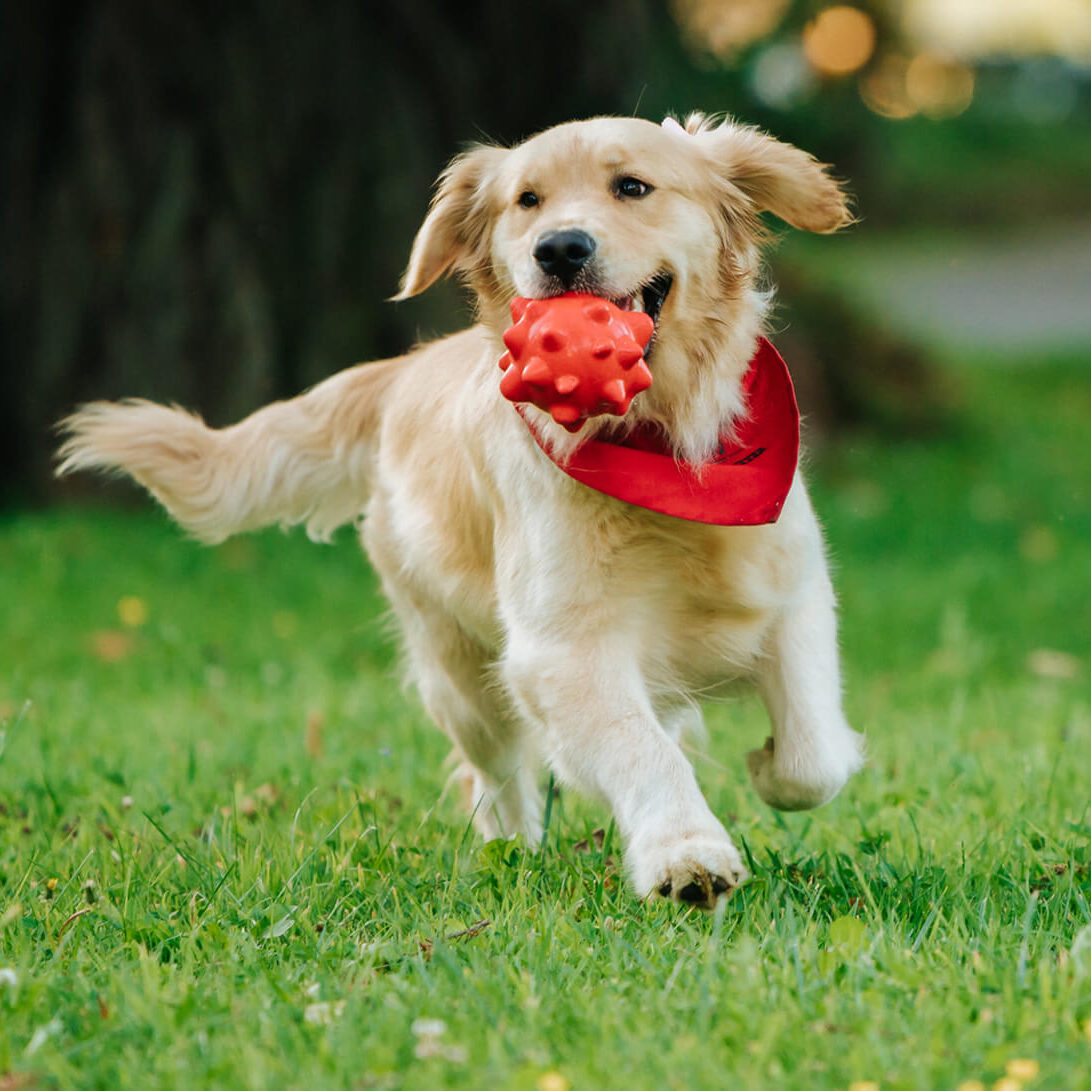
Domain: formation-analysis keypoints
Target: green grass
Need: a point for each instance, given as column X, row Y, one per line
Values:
column 225, row 859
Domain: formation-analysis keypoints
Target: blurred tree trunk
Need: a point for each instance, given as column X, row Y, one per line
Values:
column 209, row 203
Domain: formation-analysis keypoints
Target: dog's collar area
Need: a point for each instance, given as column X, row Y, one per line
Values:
column 745, row 483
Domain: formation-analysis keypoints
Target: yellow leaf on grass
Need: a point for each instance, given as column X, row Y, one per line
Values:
column 132, row 611
column 312, row 733
column 552, row 1081
column 1022, row 1068
column 111, row 645
column 1050, row 663
column 847, row 938
column 848, row 934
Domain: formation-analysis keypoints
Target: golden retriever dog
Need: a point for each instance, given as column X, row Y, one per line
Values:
column 542, row 620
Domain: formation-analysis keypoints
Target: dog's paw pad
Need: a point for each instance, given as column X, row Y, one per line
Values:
column 703, row 890
column 696, row 871
column 693, row 893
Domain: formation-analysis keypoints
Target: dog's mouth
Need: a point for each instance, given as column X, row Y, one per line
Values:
column 649, row 298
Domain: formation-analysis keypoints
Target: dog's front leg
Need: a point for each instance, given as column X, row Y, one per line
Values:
column 812, row 750
column 601, row 736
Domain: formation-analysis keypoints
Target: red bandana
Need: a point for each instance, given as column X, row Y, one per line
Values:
column 746, row 482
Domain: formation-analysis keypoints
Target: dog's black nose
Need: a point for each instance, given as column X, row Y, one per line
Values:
column 562, row 254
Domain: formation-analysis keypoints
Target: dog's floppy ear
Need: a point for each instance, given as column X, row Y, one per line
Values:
column 776, row 177
column 454, row 235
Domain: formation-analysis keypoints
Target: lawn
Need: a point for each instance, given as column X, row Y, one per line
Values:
column 226, row 858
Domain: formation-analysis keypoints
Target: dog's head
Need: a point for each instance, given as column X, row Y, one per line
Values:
column 663, row 218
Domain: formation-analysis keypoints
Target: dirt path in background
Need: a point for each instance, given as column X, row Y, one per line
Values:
column 1019, row 292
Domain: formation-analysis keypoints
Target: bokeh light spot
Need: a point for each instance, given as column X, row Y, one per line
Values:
column 725, row 27
column 840, row 40
column 883, row 88
column 938, row 87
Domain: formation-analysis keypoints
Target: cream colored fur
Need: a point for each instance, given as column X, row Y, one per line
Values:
column 543, row 621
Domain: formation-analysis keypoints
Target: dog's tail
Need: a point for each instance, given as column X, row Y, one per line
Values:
column 307, row 460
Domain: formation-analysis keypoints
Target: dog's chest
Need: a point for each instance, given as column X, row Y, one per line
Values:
column 693, row 601
column 717, row 593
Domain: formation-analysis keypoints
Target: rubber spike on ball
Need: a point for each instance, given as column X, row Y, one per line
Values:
column 615, row 393
column 537, row 371
column 515, row 340
column 640, row 378
column 629, row 354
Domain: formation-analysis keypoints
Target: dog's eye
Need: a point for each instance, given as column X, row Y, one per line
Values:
column 631, row 187
column 527, row 199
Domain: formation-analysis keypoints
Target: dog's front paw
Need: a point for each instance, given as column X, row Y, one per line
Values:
column 801, row 785
column 697, row 869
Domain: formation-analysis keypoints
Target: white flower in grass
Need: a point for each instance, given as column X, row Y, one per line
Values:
column 323, row 1013
column 428, row 1028
column 429, row 1034
column 42, row 1035
column 433, row 1047
column 8, row 976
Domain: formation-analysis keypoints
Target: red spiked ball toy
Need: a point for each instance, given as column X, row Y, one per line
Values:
column 575, row 356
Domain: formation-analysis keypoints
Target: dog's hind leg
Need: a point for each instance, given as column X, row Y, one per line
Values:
column 498, row 768
column 812, row 750
column 452, row 671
